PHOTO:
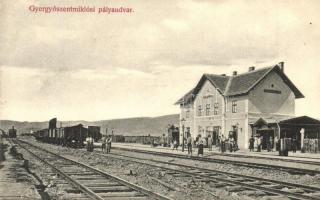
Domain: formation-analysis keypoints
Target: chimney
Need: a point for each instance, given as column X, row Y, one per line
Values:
column 234, row 73
column 223, row 74
column 281, row 65
column 251, row 69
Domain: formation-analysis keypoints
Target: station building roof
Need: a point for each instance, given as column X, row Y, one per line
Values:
column 239, row 84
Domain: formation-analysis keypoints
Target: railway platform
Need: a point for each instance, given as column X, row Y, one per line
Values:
column 241, row 153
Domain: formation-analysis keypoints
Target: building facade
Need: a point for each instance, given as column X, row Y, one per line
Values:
column 228, row 106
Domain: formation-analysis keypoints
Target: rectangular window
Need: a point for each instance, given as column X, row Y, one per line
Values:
column 207, row 109
column 199, row 110
column 234, row 106
column 187, row 113
column 216, row 108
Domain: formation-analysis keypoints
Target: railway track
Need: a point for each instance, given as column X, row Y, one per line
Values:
column 291, row 170
column 88, row 182
column 234, row 182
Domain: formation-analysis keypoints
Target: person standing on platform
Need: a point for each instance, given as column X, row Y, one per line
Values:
column 294, row 145
column 232, row 144
column 223, row 144
column 270, row 146
column 277, row 143
column 109, row 144
column 200, row 147
column 110, row 141
column 103, row 145
column 172, row 145
column 91, row 144
column 259, row 144
column 210, row 143
column 251, row 144
column 88, row 143
column 189, row 143
column 219, row 143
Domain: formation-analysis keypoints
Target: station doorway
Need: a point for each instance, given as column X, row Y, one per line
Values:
column 266, row 136
column 173, row 134
column 214, row 133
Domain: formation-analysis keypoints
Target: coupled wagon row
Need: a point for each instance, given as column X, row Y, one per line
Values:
column 73, row 136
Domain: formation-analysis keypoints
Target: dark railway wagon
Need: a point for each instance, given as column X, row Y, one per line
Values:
column 12, row 132
column 94, row 132
column 42, row 135
column 75, row 135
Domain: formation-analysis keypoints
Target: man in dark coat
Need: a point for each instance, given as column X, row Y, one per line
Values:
column 251, row 144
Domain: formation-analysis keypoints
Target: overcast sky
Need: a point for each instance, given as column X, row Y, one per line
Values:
column 97, row 66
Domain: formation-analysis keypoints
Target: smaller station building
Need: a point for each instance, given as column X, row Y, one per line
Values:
column 305, row 130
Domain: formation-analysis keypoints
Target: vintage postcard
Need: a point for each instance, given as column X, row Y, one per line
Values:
column 183, row 99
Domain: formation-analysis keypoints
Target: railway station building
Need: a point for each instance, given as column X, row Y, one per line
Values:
column 259, row 102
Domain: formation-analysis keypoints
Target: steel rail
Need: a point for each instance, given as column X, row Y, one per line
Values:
column 75, row 183
column 246, row 185
column 144, row 191
column 288, row 159
column 217, row 160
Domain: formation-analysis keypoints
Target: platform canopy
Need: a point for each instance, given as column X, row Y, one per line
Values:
column 296, row 121
column 301, row 121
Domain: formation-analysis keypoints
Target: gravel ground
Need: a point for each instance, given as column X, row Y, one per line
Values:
column 179, row 187
column 155, row 179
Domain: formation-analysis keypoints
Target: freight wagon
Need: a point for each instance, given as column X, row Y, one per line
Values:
column 12, row 132
column 73, row 136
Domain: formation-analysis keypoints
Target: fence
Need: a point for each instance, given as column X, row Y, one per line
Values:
column 136, row 139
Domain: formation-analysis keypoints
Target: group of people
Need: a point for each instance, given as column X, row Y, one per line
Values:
column 271, row 143
column 200, row 142
column 189, row 140
column 227, row 143
column 106, row 144
column 257, row 143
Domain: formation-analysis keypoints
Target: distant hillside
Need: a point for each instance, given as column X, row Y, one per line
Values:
column 129, row 126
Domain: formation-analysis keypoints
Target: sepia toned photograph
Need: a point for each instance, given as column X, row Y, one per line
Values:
column 159, row 100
